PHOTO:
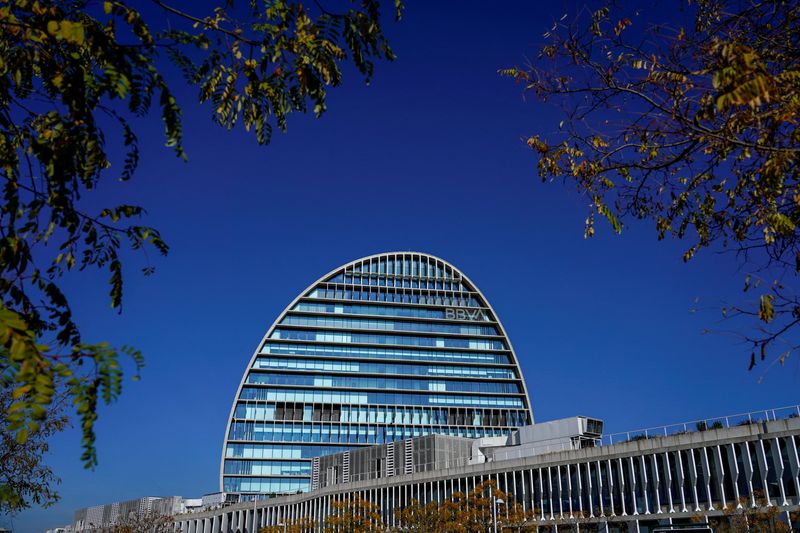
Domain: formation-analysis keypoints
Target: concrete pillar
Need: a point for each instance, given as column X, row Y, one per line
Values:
column 645, row 483
column 655, row 481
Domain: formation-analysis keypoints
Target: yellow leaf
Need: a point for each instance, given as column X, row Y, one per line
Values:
column 19, row 392
column 765, row 310
column 66, row 30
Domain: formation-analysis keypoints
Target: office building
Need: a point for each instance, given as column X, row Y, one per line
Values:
column 385, row 348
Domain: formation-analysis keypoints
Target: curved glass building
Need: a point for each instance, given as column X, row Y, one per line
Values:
column 388, row 347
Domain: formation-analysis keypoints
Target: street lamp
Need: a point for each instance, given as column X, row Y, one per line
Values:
column 495, row 503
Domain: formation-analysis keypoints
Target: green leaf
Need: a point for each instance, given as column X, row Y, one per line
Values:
column 22, row 436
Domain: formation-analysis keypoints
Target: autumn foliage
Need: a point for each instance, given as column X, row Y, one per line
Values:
column 691, row 125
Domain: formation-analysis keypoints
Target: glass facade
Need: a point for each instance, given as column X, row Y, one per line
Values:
column 388, row 347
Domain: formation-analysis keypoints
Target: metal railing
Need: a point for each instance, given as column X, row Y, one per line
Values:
column 722, row 422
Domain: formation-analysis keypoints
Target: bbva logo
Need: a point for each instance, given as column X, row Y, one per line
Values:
column 464, row 314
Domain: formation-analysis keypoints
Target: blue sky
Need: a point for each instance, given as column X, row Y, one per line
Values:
column 429, row 157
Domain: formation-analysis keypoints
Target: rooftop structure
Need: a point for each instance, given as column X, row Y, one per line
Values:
column 557, row 435
column 386, row 460
column 437, row 452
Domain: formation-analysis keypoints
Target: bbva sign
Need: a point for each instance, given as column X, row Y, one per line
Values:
column 458, row 313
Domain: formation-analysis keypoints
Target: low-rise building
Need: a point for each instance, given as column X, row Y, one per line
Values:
column 104, row 516
column 107, row 515
column 563, row 476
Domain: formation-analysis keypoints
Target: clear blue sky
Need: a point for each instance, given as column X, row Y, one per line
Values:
column 429, row 157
